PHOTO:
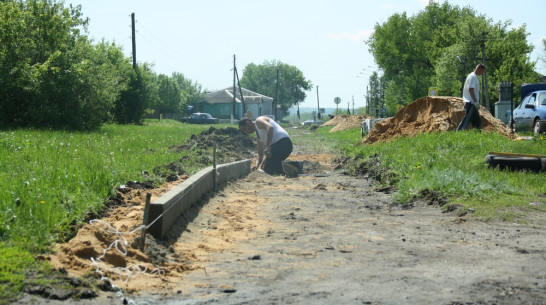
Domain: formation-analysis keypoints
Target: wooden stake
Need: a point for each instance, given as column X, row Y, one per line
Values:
column 145, row 222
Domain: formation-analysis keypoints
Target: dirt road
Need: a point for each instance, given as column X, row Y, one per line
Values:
column 332, row 239
column 327, row 238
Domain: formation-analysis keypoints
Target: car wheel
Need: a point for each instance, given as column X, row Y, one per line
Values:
column 536, row 126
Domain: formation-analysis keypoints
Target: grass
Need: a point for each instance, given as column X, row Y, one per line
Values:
column 452, row 165
column 50, row 180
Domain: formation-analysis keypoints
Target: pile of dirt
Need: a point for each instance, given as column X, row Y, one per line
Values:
column 344, row 122
column 109, row 248
column 232, row 144
column 431, row 114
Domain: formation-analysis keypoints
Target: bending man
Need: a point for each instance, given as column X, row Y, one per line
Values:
column 273, row 143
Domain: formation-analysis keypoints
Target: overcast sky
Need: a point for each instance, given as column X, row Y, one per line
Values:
column 324, row 39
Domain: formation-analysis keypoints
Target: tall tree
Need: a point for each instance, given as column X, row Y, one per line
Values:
column 141, row 93
column 441, row 45
column 191, row 92
column 169, row 95
column 51, row 74
column 263, row 79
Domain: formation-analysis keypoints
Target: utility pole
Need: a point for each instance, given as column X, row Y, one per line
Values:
column 276, row 96
column 240, row 91
column 367, row 102
column 483, row 40
column 318, row 104
column 353, row 105
column 134, row 39
column 234, row 90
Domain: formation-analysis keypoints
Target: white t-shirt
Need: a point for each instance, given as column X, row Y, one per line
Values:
column 278, row 133
column 471, row 81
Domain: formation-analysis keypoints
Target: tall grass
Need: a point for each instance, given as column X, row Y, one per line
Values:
column 452, row 164
column 50, row 179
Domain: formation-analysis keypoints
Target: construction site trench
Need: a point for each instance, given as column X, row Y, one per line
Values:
column 324, row 237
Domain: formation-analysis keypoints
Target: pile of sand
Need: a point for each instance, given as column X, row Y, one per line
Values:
column 106, row 248
column 344, row 122
column 431, row 114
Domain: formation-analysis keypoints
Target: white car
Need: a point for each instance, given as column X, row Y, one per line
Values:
column 531, row 112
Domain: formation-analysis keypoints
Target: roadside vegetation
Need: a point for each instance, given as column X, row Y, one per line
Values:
column 64, row 178
column 73, row 128
column 450, row 166
column 52, row 181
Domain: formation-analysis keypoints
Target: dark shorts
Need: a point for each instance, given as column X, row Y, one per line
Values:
column 280, row 150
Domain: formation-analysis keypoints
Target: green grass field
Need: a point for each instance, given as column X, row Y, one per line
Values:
column 50, row 180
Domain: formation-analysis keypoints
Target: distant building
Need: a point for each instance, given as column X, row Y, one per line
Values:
column 220, row 103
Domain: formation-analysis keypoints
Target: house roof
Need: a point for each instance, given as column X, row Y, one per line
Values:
column 226, row 96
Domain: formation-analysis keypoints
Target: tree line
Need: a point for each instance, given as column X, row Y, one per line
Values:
column 53, row 76
column 437, row 48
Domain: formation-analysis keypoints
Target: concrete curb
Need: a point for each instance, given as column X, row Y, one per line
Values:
column 177, row 201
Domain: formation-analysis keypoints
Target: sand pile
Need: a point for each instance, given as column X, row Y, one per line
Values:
column 430, row 114
column 344, row 122
column 109, row 248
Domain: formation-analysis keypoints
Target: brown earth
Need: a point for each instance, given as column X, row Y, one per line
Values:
column 344, row 122
column 108, row 247
column 431, row 114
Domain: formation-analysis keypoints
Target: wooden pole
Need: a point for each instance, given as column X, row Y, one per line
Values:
column 276, row 96
column 233, row 112
column 145, row 222
column 214, row 166
column 318, row 105
column 134, row 39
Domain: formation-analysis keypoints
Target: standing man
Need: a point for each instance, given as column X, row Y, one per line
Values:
column 273, row 142
column 471, row 99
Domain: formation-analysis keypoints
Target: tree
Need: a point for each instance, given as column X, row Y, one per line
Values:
column 375, row 95
column 141, row 93
column 439, row 46
column 169, row 95
column 51, row 74
column 263, row 79
column 543, row 57
column 191, row 92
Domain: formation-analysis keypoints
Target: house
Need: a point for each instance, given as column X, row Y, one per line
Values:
column 220, row 103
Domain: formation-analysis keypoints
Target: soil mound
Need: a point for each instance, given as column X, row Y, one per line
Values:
column 344, row 122
column 430, row 114
column 232, row 144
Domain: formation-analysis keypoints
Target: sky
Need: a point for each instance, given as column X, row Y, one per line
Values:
column 325, row 39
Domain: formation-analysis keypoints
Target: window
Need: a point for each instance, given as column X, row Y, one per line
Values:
column 542, row 98
column 524, row 102
column 532, row 99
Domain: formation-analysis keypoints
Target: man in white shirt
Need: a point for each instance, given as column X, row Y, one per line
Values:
column 273, row 142
column 471, row 99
